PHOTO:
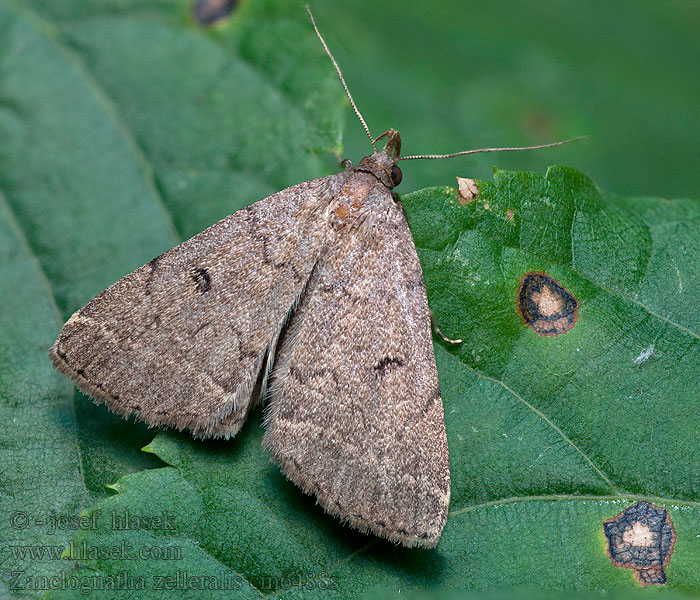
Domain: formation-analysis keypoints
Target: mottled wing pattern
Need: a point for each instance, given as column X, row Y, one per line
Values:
column 182, row 341
column 355, row 415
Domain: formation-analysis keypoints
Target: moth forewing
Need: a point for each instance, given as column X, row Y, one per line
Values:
column 355, row 415
column 181, row 341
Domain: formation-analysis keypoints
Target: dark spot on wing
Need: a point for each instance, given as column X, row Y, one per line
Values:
column 387, row 363
column 209, row 12
column 435, row 396
column 202, row 278
column 545, row 305
column 641, row 538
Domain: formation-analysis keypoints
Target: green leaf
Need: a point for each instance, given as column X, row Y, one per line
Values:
column 121, row 122
column 477, row 74
column 548, row 436
column 631, row 426
column 126, row 127
column 41, row 468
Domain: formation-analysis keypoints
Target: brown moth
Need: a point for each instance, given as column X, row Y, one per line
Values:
column 312, row 299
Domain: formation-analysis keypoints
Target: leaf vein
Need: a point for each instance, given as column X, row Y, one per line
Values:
column 542, row 416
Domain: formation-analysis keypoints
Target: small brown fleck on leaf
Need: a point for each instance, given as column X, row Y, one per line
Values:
column 545, row 305
column 208, row 12
column 641, row 538
column 468, row 190
column 510, row 214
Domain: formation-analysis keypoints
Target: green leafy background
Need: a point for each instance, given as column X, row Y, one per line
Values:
column 125, row 127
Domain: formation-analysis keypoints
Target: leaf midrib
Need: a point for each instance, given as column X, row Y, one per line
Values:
column 537, row 412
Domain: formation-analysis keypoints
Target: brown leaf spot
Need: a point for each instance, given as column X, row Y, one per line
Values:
column 510, row 214
column 545, row 305
column 641, row 538
column 468, row 190
column 208, row 12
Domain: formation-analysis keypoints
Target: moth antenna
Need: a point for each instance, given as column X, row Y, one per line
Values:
column 417, row 156
column 342, row 79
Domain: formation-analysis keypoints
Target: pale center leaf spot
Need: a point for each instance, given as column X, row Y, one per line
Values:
column 639, row 535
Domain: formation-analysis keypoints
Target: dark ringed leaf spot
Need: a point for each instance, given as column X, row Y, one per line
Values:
column 641, row 538
column 203, row 280
column 208, row 12
column 545, row 305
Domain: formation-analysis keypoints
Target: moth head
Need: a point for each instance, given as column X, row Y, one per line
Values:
column 382, row 164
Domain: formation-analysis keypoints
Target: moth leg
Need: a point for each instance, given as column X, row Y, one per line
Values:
column 436, row 328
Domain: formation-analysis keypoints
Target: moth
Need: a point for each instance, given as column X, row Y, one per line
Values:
column 311, row 300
